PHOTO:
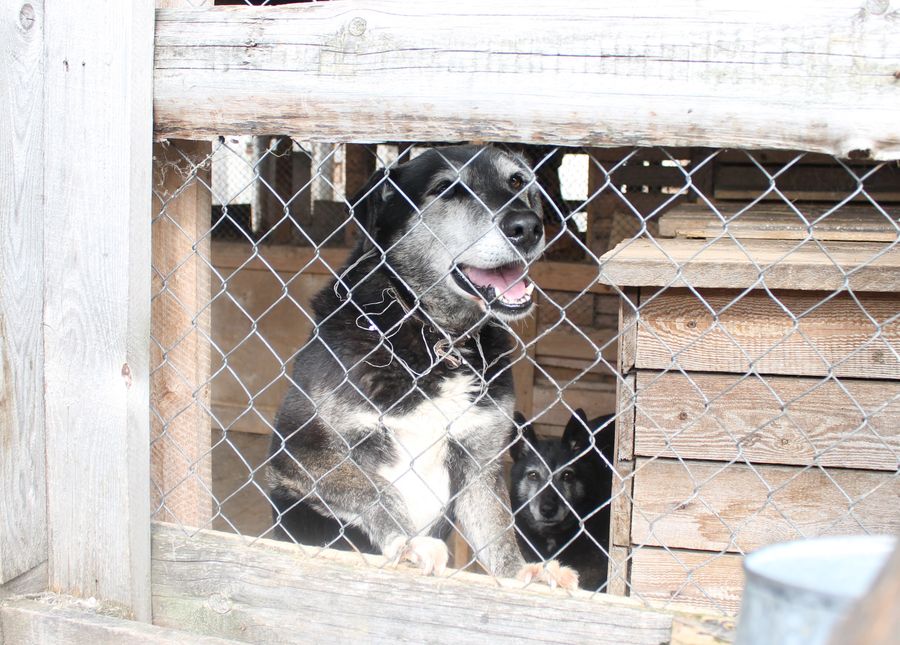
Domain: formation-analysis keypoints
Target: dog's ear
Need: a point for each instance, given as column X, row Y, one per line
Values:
column 577, row 435
column 370, row 205
column 526, row 442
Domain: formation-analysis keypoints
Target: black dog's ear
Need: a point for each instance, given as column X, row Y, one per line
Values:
column 369, row 206
column 521, row 446
column 577, row 435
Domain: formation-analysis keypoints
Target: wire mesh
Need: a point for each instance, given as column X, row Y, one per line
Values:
column 710, row 364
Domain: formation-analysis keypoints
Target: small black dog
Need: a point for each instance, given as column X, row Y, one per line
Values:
column 557, row 487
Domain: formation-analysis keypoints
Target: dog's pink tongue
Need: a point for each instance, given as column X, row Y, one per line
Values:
column 507, row 281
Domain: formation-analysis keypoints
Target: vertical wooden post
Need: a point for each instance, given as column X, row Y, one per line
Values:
column 97, row 154
column 23, row 527
column 180, row 392
column 181, row 470
column 180, row 360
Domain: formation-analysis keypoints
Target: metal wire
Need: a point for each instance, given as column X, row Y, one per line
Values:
column 282, row 218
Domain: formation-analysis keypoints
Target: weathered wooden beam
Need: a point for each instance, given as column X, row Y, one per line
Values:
column 23, row 526
column 271, row 592
column 726, row 263
column 61, row 619
column 816, row 75
column 97, row 156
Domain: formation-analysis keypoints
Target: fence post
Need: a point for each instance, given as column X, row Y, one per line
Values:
column 96, row 261
column 23, row 528
column 182, row 477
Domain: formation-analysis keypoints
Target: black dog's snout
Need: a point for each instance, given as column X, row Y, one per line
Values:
column 548, row 506
column 523, row 228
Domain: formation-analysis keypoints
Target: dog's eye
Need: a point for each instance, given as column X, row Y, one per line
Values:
column 516, row 182
column 532, row 475
column 567, row 476
column 443, row 188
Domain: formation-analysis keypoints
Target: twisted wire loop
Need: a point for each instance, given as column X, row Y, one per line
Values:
column 730, row 401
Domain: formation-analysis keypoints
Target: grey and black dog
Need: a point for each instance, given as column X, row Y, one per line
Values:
column 560, row 490
column 404, row 400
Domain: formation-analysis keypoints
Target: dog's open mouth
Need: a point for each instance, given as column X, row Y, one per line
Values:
column 506, row 286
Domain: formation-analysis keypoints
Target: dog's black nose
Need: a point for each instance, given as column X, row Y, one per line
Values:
column 523, row 228
column 548, row 508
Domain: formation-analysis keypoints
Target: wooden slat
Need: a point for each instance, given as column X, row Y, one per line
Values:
column 836, row 336
column 780, row 222
column 180, row 356
column 60, row 619
column 23, row 527
column 271, row 592
column 812, row 183
column 622, row 484
column 98, row 152
column 31, row 582
column 710, row 581
column 714, row 506
column 777, row 264
column 355, row 71
column 848, row 423
column 562, row 276
column 596, row 400
column 565, row 341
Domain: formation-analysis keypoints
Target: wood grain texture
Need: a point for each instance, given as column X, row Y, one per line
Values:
column 98, row 151
column 687, row 579
column 269, row 592
column 780, row 222
column 379, row 70
column 795, row 333
column 848, row 423
column 733, row 507
column 180, row 352
column 776, row 264
column 57, row 619
column 622, row 486
column 31, row 582
column 23, row 527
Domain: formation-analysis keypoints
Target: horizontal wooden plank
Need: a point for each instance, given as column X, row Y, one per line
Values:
column 567, row 341
column 709, row 581
column 814, row 75
column 271, row 592
column 776, row 264
column 737, row 508
column 848, row 423
column 559, row 276
column 549, row 407
column 59, row 619
column 780, row 222
column 797, row 332
column 801, row 182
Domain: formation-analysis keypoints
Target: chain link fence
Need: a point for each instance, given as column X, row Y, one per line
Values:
column 642, row 363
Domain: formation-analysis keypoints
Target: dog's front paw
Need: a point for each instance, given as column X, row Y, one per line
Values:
column 550, row 572
column 428, row 553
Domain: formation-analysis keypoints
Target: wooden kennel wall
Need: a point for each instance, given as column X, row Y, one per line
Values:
column 76, row 245
column 716, row 462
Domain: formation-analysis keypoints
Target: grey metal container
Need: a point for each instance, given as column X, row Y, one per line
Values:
column 795, row 592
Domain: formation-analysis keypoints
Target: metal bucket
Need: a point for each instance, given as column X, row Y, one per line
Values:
column 795, row 592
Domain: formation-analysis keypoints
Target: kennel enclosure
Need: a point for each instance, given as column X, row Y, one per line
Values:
column 93, row 266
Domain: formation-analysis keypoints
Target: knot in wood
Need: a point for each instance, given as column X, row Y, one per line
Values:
column 877, row 7
column 26, row 16
column 357, row 26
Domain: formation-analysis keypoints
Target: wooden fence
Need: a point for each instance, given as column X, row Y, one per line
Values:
column 87, row 85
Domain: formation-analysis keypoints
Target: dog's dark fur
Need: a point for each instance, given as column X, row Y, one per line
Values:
column 409, row 367
column 548, row 508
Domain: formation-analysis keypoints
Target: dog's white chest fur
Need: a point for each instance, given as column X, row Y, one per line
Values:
column 420, row 473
